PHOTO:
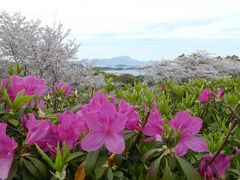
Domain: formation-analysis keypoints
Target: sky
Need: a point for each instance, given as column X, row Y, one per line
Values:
column 142, row 29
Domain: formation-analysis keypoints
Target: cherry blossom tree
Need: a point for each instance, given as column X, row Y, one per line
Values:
column 44, row 51
column 196, row 65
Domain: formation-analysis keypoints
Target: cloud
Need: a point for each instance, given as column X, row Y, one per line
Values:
column 141, row 28
column 216, row 28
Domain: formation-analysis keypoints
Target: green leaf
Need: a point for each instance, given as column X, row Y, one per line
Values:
column 90, row 161
column 75, row 108
column 153, row 170
column 26, row 175
column 18, row 68
column 167, row 174
column 231, row 99
column 120, row 175
column 236, row 161
column 110, row 174
column 58, row 161
column 45, row 157
column 13, row 122
column 234, row 171
column 164, row 107
column 188, row 170
column 31, row 168
column 13, row 170
column 65, row 153
column 75, row 155
column 21, row 100
column 148, row 154
column 6, row 97
column 237, row 133
column 2, row 109
column 100, row 168
column 41, row 167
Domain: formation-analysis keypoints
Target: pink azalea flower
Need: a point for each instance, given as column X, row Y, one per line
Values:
column 41, row 132
column 235, row 150
column 162, row 86
column 94, row 105
column 153, row 127
column 216, row 169
column 34, row 86
column 7, row 148
column 205, row 95
column 220, row 93
column 63, row 87
column 189, row 127
column 30, row 84
column 69, row 129
column 130, row 113
column 106, row 127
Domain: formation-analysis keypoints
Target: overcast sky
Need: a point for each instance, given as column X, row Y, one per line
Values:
column 142, row 29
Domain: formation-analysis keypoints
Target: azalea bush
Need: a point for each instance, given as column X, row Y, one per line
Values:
column 166, row 131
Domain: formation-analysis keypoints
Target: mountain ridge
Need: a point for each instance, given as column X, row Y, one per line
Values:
column 119, row 60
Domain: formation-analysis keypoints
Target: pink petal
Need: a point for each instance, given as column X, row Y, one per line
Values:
column 37, row 130
column 195, row 143
column 182, row 119
column 150, row 139
column 181, row 149
column 93, row 120
column 154, row 124
column 183, row 116
column 3, row 128
column 131, row 114
column 118, row 124
column 41, row 104
column 108, row 111
column 93, row 141
column 5, row 165
column 222, row 163
column 155, row 116
column 115, row 143
column 158, row 138
column 123, row 108
column 196, row 125
column 151, row 129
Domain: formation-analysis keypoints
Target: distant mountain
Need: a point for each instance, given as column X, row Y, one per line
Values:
column 121, row 61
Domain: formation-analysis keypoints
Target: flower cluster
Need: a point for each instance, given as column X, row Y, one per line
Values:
column 206, row 95
column 103, row 123
column 7, row 148
column 63, row 87
column 216, row 169
column 30, row 84
column 189, row 127
column 106, row 123
column 41, row 132
column 47, row 135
